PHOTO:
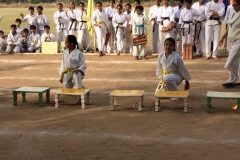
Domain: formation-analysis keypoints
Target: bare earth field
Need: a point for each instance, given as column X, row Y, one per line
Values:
column 31, row 132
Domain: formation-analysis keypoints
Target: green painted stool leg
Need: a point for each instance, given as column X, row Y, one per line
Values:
column 24, row 97
column 48, row 96
column 40, row 100
column 238, row 104
column 208, row 105
column 15, row 98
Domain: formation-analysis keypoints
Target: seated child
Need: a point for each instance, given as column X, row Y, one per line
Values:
column 13, row 40
column 25, row 41
column 3, row 42
column 171, row 69
column 47, row 36
column 34, row 40
column 18, row 23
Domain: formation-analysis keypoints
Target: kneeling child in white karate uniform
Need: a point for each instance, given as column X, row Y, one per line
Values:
column 13, row 40
column 25, row 41
column 3, row 42
column 35, row 40
column 47, row 36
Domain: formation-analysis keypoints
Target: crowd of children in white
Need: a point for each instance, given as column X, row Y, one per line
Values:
column 199, row 23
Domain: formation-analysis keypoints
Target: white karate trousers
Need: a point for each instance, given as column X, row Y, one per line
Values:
column 31, row 48
column 200, row 40
column 75, row 81
column 139, row 50
column 155, row 35
column 83, row 38
column 187, row 38
column 10, row 50
column 212, row 33
column 101, row 36
column 128, row 42
column 232, row 63
column 60, row 33
column 120, row 39
column 177, row 32
column 112, row 40
column 172, row 81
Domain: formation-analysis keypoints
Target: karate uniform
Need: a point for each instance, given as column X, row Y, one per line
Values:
column 102, row 19
column 213, row 27
column 44, row 37
column 35, row 43
column 72, row 61
column 199, row 30
column 172, row 69
column 42, row 20
column 61, row 25
column 153, row 13
column 3, row 44
column 232, row 63
column 229, row 12
column 185, row 20
column 72, row 16
column 139, row 27
column 13, row 39
column 128, row 42
column 177, row 30
column 82, row 29
column 25, row 44
column 165, row 15
column 112, row 41
column 30, row 20
column 119, row 19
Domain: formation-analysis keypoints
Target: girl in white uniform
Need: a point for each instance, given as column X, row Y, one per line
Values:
column 72, row 16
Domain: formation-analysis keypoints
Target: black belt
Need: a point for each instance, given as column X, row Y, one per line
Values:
column 199, row 29
column 72, row 21
column 164, row 18
column 189, row 23
column 177, row 19
column 82, row 24
column 216, row 19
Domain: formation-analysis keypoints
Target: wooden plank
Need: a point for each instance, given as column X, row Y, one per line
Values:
column 213, row 94
column 126, row 93
column 49, row 47
column 72, row 91
column 31, row 89
column 170, row 94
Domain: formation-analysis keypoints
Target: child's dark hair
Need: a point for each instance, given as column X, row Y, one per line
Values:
column 59, row 4
column 121, row 1
column 99, row 3
column 128, row 4
column 140, row 8
column 181, row 1
column 26, row 30
column 13, row 26
column 171, row 40
column 40, row 7
column 18, row 20
column 112, row 1
column 31, row 8
column 138, row 1
column 33, row 27
column 119, row 5
column 1, row 32
column 188, row 1
column 81, row 3
column 47, row 26
column 72, row 39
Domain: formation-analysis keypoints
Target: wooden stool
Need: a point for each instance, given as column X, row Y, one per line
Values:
column 38, row 90
column 171, row 94
column 83, row 92
column 126, row 93
column 222, row 95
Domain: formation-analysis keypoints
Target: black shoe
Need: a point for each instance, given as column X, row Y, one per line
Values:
column 229, row 85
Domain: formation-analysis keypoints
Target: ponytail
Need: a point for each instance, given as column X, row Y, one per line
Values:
column 73, row 39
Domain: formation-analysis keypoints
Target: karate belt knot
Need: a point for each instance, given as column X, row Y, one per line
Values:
column 117, row 27
column 199, row 29
column 189, row 23
column 216, row 19
column 82, row 24
column 35, row 42
column 68, row 70
column 61, row 25
column 102, row 22
column 75, row 26
column 161, row 84
column 138, row 26
column 164, row 18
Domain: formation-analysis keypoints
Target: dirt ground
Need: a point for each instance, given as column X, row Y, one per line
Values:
column 48, row 133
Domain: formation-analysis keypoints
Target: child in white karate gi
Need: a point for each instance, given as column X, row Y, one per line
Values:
column 18, row 23
column 42, row 20
column 25, row 41
column 34, row 40
column 13, row 40
column 47, row 36
column 3, row 42
column 72, row 16
column 30, row 19
column 128, row 43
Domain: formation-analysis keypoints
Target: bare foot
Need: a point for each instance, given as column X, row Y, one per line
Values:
column 216, row 58
column 206, row 58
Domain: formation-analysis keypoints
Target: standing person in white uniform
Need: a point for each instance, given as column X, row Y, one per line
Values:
column 199, row 31
column 72, row 16
column 73, row 64
column 233, row 34
column 139, row 28
column 166, row 21
column 34, row 40
column 152, row 16
column 229, row 12
column 171, row 69
column 128, row 43
column 100, row 22
column 177, row 29
column 119, row 23
column 110, row 11
column 187, row 24
column 13, row 40
column 42, row 20
column 30, row 19
column 61, row 21
column 83, row 34
column 214, row 11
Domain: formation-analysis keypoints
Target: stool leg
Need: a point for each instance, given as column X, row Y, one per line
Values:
column 24, row 97
column 209, row 105
column 238, row 102
column 40, row 99
column 140, row 103
column 15, row 98
column 157, row 103
column 56, row 100
column 111, row 103
column 83, row 101
column 48, row 96
column 185, row 103
column 115, row 101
